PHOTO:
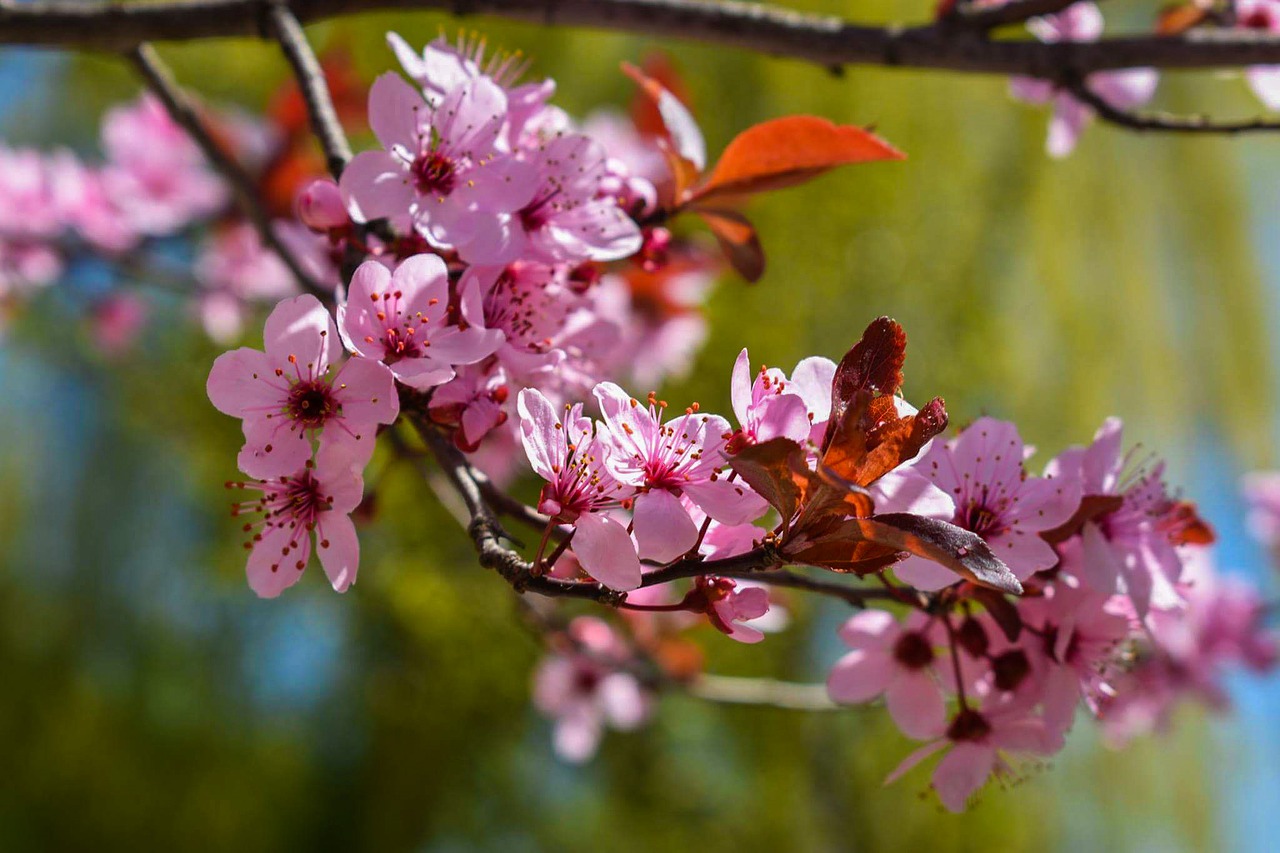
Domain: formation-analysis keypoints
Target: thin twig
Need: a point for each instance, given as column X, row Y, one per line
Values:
column 315, row 90
column 824, row 40
column 1167, row 122
column 762, row 691
column 179, row 106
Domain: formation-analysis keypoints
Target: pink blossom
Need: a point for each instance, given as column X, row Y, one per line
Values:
column 895, row 661
column 980, row 743
column 235, row 269
column 982, row 470
column 1261, row 16
column 443, row 169
column 320, row 206
column 474, row 402
column 1130, row 550
column 731, row 606
column 579, row 491
column 530, row 303
column 773, row 406
column 406, row 320
column 667, row 460
column 116, row 322
column 442, row 67
column 317, row 498
column 287, row 394
column 586, row 688
column 1123, row 90
column 567, row 221
column 1262, row 492
column 155, row 174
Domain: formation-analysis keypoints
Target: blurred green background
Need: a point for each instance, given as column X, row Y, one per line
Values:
column 151, row 702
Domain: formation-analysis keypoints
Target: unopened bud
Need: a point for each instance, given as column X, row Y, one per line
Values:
column 320, row 206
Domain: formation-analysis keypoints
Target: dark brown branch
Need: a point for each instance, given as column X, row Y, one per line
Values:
column 824, row 40
column 315, row 91
column 1014, row 12
column 1167, row 122
column 184, row 113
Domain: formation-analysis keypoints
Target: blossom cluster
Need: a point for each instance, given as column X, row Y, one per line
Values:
column 498, row 275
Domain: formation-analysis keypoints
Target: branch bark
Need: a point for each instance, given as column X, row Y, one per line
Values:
column 1168, row 122
column 824, row 40
column 180, row 107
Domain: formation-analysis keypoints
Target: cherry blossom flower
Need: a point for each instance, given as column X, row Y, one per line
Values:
column 1123, row 90
column 473, row 401
column 566, row 220
column 443, row 169
column 982, row 470
column 530, row 303
column 1131, row 550
column 116, row 321
column 320, row 206
column 896, row 661
column 1261, row 16
column 318, row 499
column 585, row 688
column 579, row 491
column 980, row 743
column 771, row 407
column 731, row 606
column 406, row 320
column 667, row 460
column 155, row 174
column 287, row 394
column 1262, row 492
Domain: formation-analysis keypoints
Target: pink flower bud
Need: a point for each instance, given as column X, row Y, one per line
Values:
column 320, row 206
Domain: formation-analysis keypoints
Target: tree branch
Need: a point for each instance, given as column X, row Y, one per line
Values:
column 762, row 691
column 824, row 40
column 160, row 79
column 315, row 91
column 1167, row 122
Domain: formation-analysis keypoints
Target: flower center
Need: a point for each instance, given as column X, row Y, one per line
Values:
column 311, row 403
column 968, row 725
column 913, row 651
column 977, row 518
column 433, row 173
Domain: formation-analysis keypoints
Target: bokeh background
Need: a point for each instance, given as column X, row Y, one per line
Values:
column 148, row 700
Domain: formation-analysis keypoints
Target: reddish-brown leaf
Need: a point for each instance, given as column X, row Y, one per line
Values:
column 658, row 67
column 681, row 132
column 1091, row 507
column 952, row 547
column 789, row 151
column 1186, row 527
column 738, row 240
column 770, row 469
column 890, row 444
column 871, row 368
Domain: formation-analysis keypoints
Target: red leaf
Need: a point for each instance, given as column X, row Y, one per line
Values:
column 769, row 468
column 679, row 127
column 952, row 547
column 1177, row 19
column 659, row 68
column 1091, row 507
column 738, row 240
column 873, row 367
column 789, row 151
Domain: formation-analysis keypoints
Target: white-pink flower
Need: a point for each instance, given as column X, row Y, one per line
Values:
column 773, row 406
column 982, row 471
column 732, row 605
column 443, row 168
column 406, row 320
column 667, row 460
column 580, row 490
column 586, row 688
column 1123, row 90
column 1261, row 16
column 290, row 393
column 893, row 660
column 316, row 501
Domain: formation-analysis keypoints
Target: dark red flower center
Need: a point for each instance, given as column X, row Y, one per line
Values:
column 968, row 725
column 913, row 651
column 311, row 403
column 433, row 173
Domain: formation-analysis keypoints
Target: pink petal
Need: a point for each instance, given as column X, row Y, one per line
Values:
column 395, row 112
column 356, row 320
column 270, row 570
column 302, row 327
column 244, row 380
column 577, row 735
column 727, row 502
column 860, row 676
column 544, row 444
column 924, row 575
column 663, row 528
column 367, row 391
column 961, row 772
column 870, row 629
column 466, row 346
column 422, row 373
column 1024, row 552
column 339, row 549
column 272, row 449
column 605, row 550
column 913, row 759
column 622, row 700
column 740, row 387
column 1265, row 82
column 376, row 185
column 1069, row 118
column 916, row 705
